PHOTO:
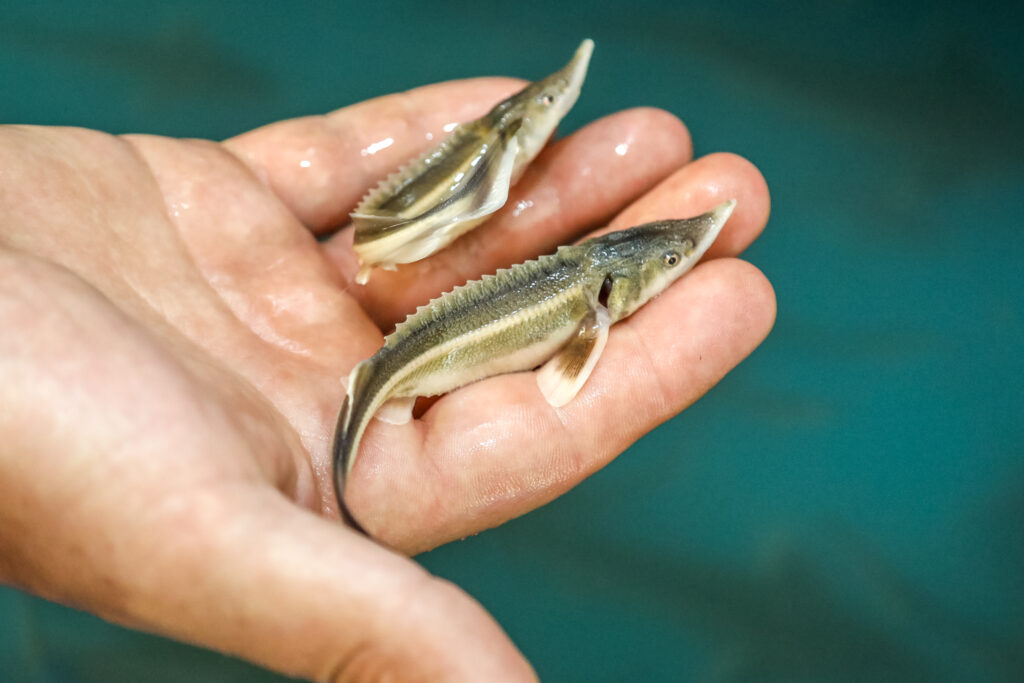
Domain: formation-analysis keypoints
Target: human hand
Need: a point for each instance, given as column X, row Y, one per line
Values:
column 173, row 340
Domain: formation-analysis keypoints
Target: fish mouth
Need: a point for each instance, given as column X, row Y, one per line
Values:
column 568, row 81
column 720, row 214
column 717, row 217
column 576, row 70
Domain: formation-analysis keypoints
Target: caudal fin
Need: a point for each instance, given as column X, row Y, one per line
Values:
column 347, row 434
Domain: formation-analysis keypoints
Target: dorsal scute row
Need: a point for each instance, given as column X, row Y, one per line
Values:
column 389, row 185
column 479, row 291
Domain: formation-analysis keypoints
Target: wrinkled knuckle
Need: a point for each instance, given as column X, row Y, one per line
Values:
column 384, row 653
column 360, row 662
column 659, row 393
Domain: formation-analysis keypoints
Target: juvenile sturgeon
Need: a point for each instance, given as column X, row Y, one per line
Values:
column 554, row 311
column 447, row 191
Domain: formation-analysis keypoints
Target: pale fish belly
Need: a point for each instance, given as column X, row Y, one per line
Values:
column 482, row 338
column 451, row 373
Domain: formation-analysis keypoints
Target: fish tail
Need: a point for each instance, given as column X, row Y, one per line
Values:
column 348, row 433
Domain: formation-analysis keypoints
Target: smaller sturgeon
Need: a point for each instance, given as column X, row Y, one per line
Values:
column 554, row 311
column 449, row 190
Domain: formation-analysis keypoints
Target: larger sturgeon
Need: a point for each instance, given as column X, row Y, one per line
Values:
column 554, row 311
column 430, row 201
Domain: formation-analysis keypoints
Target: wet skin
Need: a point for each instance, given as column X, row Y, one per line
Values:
column 172, row 340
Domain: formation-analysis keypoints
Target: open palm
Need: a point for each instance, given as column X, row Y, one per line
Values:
column 173, row 347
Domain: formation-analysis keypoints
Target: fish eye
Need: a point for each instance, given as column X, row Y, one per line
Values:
column 670, row 258
column 546, row 99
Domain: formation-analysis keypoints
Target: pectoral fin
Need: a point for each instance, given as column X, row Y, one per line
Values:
column 561, row 378
column 485, row 192
column 396, row 411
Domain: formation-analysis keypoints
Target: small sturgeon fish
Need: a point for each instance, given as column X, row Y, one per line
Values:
column 449, row 190
column 554, row 311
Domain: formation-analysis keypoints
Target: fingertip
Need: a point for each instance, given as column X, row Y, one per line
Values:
column 700, row 186
column 702, row 327
column 674, row 134
column 741, row 180
column 759, row 300
column 736, row 292
column 739, row 302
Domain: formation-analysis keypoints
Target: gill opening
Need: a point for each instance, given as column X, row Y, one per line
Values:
column 606, row 290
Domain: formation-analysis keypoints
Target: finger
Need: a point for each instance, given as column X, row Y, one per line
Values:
column 245, row 572
column 575, row 184
column 495, row 449
column 699, row 186
column 321, row 166
column 306, row 597
column 156, row 509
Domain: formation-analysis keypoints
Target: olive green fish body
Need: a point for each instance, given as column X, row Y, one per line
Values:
column 553, row 312
column 506, row 322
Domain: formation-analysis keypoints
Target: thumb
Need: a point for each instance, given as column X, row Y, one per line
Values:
column 122, row 493
column 296, row 593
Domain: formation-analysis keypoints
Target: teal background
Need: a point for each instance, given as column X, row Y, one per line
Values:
column 848, row 505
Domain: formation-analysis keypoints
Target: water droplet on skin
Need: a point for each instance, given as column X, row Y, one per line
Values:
column 177, row 208
column 521, row 205
column 449, row 127
column 308, row 155
column 622, row 148
column 376, row 147
column 430, row 136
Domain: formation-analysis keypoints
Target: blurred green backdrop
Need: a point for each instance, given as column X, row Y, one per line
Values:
column 846, row 506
